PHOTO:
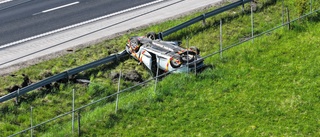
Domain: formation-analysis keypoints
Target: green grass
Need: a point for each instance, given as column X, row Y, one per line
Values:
column 268, row 88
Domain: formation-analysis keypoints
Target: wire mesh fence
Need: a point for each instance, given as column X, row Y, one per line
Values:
column 76, row 112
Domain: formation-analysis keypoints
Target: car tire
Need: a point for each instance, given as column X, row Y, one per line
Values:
column 152, row 35
column 174, row 63
column 195, row 49
column 188, row 56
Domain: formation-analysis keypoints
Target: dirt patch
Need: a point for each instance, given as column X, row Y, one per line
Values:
column 12, row 88
column 26, row 82
column 133, row 75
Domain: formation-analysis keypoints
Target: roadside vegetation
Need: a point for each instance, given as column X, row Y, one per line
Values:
column 266, row 88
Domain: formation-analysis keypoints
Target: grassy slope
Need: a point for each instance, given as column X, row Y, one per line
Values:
column 240, row 80
column 269, row 88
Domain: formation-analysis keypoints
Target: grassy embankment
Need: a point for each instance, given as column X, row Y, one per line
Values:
column 266, row 88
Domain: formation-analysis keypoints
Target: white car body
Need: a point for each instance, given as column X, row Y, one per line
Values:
column 167, row 55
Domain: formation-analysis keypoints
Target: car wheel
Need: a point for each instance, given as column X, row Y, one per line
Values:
column 188, row 56
column 195, row 49
column 135, row 44
column 152, row 35
column 175, row 63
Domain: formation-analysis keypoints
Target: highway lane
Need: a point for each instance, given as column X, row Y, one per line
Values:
column 33, row 17
column 50, row 45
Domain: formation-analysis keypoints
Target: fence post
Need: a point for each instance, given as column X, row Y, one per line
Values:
column 288, row 19
column 187, row 55
column 310, row 6
column 72, row 111
column 220, row 38
column 79, row 117
column 118, row 91
column 195, row 65
column 242, row 5
column 282, row 7
column 31, row 121
column 157, row 73
column 252, row 23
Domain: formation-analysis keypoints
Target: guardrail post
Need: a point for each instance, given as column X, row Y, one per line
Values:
column 220, row 38
column 160, row 36
column 204, row 19
column 72, row 111
column 118, row 91
column 31, row 121
column 67, row 73
column 17, row 98
column 252, row 27
column 117, row 58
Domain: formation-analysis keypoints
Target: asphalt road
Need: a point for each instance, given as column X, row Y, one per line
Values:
column 21, row 19
column 35, row 49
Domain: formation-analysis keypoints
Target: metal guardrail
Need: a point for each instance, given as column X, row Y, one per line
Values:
column 63, row 75
column 202, row 17
column 115, row 57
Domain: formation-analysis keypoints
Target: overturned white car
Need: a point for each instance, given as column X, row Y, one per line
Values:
column 167, row 55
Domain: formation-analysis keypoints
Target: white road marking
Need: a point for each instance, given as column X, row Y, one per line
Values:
column 70, row 4
column 78, row 24
column 4, row 1
column 56, row 8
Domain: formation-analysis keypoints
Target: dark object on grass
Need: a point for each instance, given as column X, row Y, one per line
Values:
column 132, row 75
column 13, row 88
